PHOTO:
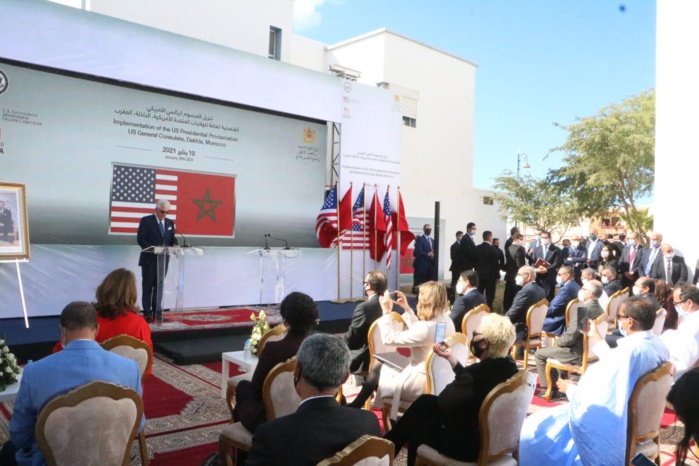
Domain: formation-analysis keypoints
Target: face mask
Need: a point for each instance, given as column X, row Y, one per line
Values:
column 605, row 280
column 631, row 242
column 621, row 328
column 680, row 312
column 545, row 241
column 428, row 232
column 519, row 280
column 459, row 287
column 473, row 232
column 636, row 291
column 654, row 244
column 669, row 257
column 476, row 349
column 582, row 295
column 538, row 237
column 560, row 281
column 604, row 254
column 576, row 244
column 593, row 237
column 585, row 281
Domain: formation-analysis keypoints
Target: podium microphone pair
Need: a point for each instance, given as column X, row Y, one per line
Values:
column 267, row 235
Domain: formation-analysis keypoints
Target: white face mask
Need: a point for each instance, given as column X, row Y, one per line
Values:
column 545, row 241
column 585, row 281
column 605, row 280
column 560, row 281
column 669, row 257
column 604, row 254
column 459, row 287
column 680, row 312
column 621, row 328
column 582, row 296
column 636, row 290
column 519, row 280
column 575, row 244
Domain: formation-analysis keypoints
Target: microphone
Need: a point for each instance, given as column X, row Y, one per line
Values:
column 286, row 243
column 184, row 240
column 266, row 245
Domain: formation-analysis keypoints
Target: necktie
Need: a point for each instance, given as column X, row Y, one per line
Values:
column 668, row 272
column 162, row 228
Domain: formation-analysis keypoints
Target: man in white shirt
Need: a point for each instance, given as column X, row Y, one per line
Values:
column 683, row 343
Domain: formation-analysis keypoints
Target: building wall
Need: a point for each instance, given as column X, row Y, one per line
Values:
column 307, row 53
column 676, row 148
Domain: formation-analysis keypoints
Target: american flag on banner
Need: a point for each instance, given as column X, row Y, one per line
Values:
column 388, row 236
column 326, row 221
column 201, row 204
column 358, row 236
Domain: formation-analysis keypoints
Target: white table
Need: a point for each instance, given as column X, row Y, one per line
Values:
column 10, row 392
column 238, row 358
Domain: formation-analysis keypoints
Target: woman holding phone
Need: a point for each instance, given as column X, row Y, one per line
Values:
column 431, row 324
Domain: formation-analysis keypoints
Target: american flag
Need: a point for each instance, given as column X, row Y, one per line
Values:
column 388, row 236
column 134, row 192
column 358, row 236
column 326, row 221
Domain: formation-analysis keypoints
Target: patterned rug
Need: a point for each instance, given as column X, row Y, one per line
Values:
column 174, row 321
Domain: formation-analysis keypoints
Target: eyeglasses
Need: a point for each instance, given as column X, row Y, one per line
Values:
column 680, row 302
column 163, row 211
column 619, row 316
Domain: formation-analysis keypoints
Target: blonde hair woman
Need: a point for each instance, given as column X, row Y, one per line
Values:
column 408, row 384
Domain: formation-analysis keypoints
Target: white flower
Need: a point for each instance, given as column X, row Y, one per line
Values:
column 2, row 342
column 263, row 315
column 8, row 370
column 11, row 357
column 5, row 350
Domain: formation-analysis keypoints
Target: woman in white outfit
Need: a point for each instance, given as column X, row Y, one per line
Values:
column 408, row 384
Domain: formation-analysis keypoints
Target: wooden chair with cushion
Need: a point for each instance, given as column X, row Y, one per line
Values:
column 367, row 450
column 280, row 398
column 646, row 408
column 499, row 441
column 92, row 424
column 612, row 307
column 439, row 375
column 587, row 356
column 139, row 351
column 535, row 324
column 275, row 334
column 471, row 322
column 572, row 309
column 660, row 316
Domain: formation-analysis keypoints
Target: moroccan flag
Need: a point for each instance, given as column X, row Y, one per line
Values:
column 345, row 212
column 358, row 236
column 377, row 228
column 401, row 227
column 326, row 221
column 201, row 204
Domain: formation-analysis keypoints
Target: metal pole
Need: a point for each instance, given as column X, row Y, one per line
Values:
column 435, row 272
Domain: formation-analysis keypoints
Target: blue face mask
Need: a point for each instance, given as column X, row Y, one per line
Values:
column 621, row 329
column 654, row 244
column 559, row 281
column 593, row 237
column 631, row 242
column 680, row 312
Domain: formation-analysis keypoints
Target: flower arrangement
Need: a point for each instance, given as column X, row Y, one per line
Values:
column 260, row 328
column 9, row 369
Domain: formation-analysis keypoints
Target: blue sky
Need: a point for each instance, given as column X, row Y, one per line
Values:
column 540, row 61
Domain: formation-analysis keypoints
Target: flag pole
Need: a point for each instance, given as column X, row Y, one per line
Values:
column 389, row 256
column 398, row 232
column 363, row 235
column 376, row 233
column 351, row 295
column 339, row 244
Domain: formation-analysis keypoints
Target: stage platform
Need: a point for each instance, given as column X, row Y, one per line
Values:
column 188, row 337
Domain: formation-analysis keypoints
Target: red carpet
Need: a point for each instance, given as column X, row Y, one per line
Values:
column 174, row 321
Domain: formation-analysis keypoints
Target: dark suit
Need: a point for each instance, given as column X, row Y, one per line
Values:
column 594, row 254
column 356, row 337
column 637, row 266
column 577, row 257
column 612, row 287
column 423, row 264
column 548, row 280
column 487, row 262
column 6, row 224
column 655, row 255
column 317, row 430
column 467, row 249
column 149, row 235
column 679, row 270
column 568, row 347
column 455, row 267
column 525, row 298
column 555, row 322
column 463, row 304
column 449, row 422
column 515, row 258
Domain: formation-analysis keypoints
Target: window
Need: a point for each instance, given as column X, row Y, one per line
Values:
column 487, row 200
column 275, row 43
column 407, row 121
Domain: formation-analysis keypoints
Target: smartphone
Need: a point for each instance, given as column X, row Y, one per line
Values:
column 583, row 324
column 441, row 332
column 394, row 295
column 641, row 460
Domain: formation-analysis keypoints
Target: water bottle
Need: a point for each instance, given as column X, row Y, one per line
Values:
column 246, row 350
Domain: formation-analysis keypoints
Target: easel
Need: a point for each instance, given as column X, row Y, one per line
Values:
column 21, row 287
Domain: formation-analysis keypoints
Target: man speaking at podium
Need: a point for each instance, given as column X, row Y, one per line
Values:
column 154, row 230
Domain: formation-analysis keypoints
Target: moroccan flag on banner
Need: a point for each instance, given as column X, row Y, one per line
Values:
column 201, row 204
column 401, row 227
column 377, row 228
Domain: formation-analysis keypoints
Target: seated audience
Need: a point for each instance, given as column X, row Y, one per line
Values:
column 530, row 294
column 449, row 422
column 663, row 293
column 320, row 427
column 569, row 346
column 588, row 274
column 300, row 314
column 555, row 321
column 364, row 315
column 469, row 297
column 117, row 311
column 644, row 288
column 592, row 428
column 81, row 361
column 610, row 280
column 683, row 343
column 409, row 383
column 683, row 397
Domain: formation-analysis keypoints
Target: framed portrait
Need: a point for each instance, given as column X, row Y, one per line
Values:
column 14, row 226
